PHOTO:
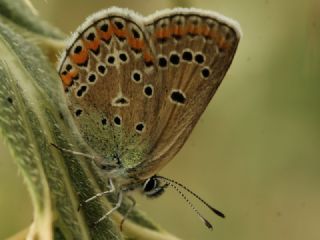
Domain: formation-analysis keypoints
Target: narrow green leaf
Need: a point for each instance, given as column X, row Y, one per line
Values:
column 33, row 114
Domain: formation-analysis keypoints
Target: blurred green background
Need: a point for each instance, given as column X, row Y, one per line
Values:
column 255, row 153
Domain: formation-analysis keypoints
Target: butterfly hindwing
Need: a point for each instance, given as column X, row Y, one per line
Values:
column 194, row 49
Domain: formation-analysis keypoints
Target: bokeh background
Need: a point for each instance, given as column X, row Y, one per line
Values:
column 255, row 153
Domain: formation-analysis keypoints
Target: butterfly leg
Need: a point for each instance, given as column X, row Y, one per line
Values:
column 112, row 188
column 74, row 152
column 133, row 204
column 120, row 197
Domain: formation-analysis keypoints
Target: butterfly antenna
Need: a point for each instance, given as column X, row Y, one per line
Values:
column 217, row 212
column 205, row 221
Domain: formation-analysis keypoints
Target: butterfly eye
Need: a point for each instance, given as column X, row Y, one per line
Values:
column 150, row 184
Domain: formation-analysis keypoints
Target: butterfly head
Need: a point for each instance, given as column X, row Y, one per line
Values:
column 153, row 187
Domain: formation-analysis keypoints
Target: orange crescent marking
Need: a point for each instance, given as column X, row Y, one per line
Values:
column 224, row 44
column 219, row 39
column 190, row 28
column 215, row 36
column 81, row 57
column 163, row 33
column 198, row 30
column 135, row 43
column 182, row 31
column 93, row 45
column 119, row 32
column 147, row 56
column 205, row 30
column 158, row 33
column 105, row 35
column 175, row 30
column 67, row 79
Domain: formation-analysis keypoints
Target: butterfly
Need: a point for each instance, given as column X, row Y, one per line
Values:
column 136, row 87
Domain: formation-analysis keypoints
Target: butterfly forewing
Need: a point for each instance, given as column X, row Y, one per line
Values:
column 109, row 75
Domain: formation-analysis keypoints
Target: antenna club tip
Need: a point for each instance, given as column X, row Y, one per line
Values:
column 208, row 225
column 220, row 214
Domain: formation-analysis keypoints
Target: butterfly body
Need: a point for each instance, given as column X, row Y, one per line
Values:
column 136, row 86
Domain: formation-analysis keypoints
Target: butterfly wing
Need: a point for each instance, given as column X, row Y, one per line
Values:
column 194, row 50
column 109, row 75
